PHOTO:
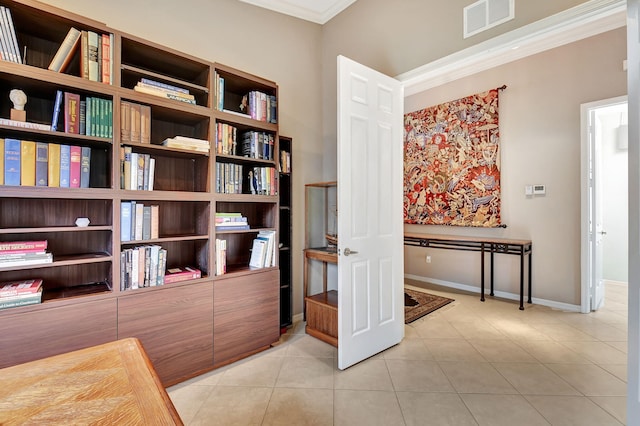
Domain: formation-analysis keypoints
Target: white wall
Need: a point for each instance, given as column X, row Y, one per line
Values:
column 540, row 144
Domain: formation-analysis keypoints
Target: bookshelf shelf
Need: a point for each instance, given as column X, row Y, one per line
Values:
column 55, row 229
column 84, row 302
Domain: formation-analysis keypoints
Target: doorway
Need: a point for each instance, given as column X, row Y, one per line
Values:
column 604, row 199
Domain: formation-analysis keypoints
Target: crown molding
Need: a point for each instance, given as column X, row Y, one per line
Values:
column 316, row 11
column 588, row 19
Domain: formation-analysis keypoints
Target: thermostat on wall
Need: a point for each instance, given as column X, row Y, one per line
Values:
column 539, row 190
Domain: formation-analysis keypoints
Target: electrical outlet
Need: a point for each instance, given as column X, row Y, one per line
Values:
column 428, row 259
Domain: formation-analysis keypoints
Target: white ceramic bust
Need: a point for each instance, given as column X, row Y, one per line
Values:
column 19, row 99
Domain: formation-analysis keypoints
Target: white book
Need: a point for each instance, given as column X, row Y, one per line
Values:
column 153, row 265
column 134, row 171
column 139, row 221
column 6, row 30
column 134, row 268
column 152, row 172
column 258, row 253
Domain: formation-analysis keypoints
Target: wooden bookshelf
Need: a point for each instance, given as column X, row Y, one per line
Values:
column 84, row 300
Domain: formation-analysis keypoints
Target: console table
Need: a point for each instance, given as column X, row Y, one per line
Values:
column 113, row 383
column 483, row 245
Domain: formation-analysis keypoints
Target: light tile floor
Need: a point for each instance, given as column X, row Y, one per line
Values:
column 469, row 363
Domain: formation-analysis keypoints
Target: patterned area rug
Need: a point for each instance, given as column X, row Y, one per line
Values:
column 418, row 304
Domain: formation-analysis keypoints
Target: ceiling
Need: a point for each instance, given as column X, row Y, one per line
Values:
column 318, row 11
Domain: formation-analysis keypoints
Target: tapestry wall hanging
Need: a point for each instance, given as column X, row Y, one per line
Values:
column 452, row 163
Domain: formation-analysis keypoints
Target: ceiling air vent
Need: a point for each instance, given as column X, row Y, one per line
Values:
column 485, row 14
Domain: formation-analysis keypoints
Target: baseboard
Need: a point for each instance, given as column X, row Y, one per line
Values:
column 502, row 294
column 298, row 317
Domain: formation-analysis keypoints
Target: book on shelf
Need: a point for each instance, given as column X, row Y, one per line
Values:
column 24, row 124
column 65, row 52
column 219, row 90
column 75, row 157
column 221, row 256
column 20, row 287
column 231, row 222
column 21, row 300
column 138, row 224
column 92, row 52
column 135, row 122
column 27, row 163
column 57, row 104
column 12, row 150
column 174, row 275
column 187, row 143
column 65, row 166
column 42, row 164
column 258, row 253
column 23, row 247
column 27, row 259
column 169, row 87
column 125, row 221
column 125, row 122
column 84, row 54
column 145, row 124
column 82, row 123
column 270, row 237
column 85, row 166
column 163, row 93
column 71, row 112
column 53, row 167
column 8, row 34
column 106, row 58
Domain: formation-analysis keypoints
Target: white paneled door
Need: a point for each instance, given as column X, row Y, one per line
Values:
column 370, row 220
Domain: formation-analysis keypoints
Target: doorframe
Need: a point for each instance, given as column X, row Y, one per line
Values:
column 587, row 261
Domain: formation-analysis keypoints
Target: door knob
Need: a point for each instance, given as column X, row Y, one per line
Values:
column 348, row 251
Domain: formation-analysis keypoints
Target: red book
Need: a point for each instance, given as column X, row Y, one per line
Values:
column 74, row 167
column 21, row 247
column 15, row 288
column 174, row 275
column 71, row 112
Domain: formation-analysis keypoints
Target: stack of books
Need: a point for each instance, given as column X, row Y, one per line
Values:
column 187, row 273
column 24, row 253
column 187, row 143
column 263, row 253
column 20, row 293
column 231, row 222
column 164, row 90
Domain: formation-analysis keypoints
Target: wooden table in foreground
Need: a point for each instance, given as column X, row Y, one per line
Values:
column 517, row 247
column 109, row 384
